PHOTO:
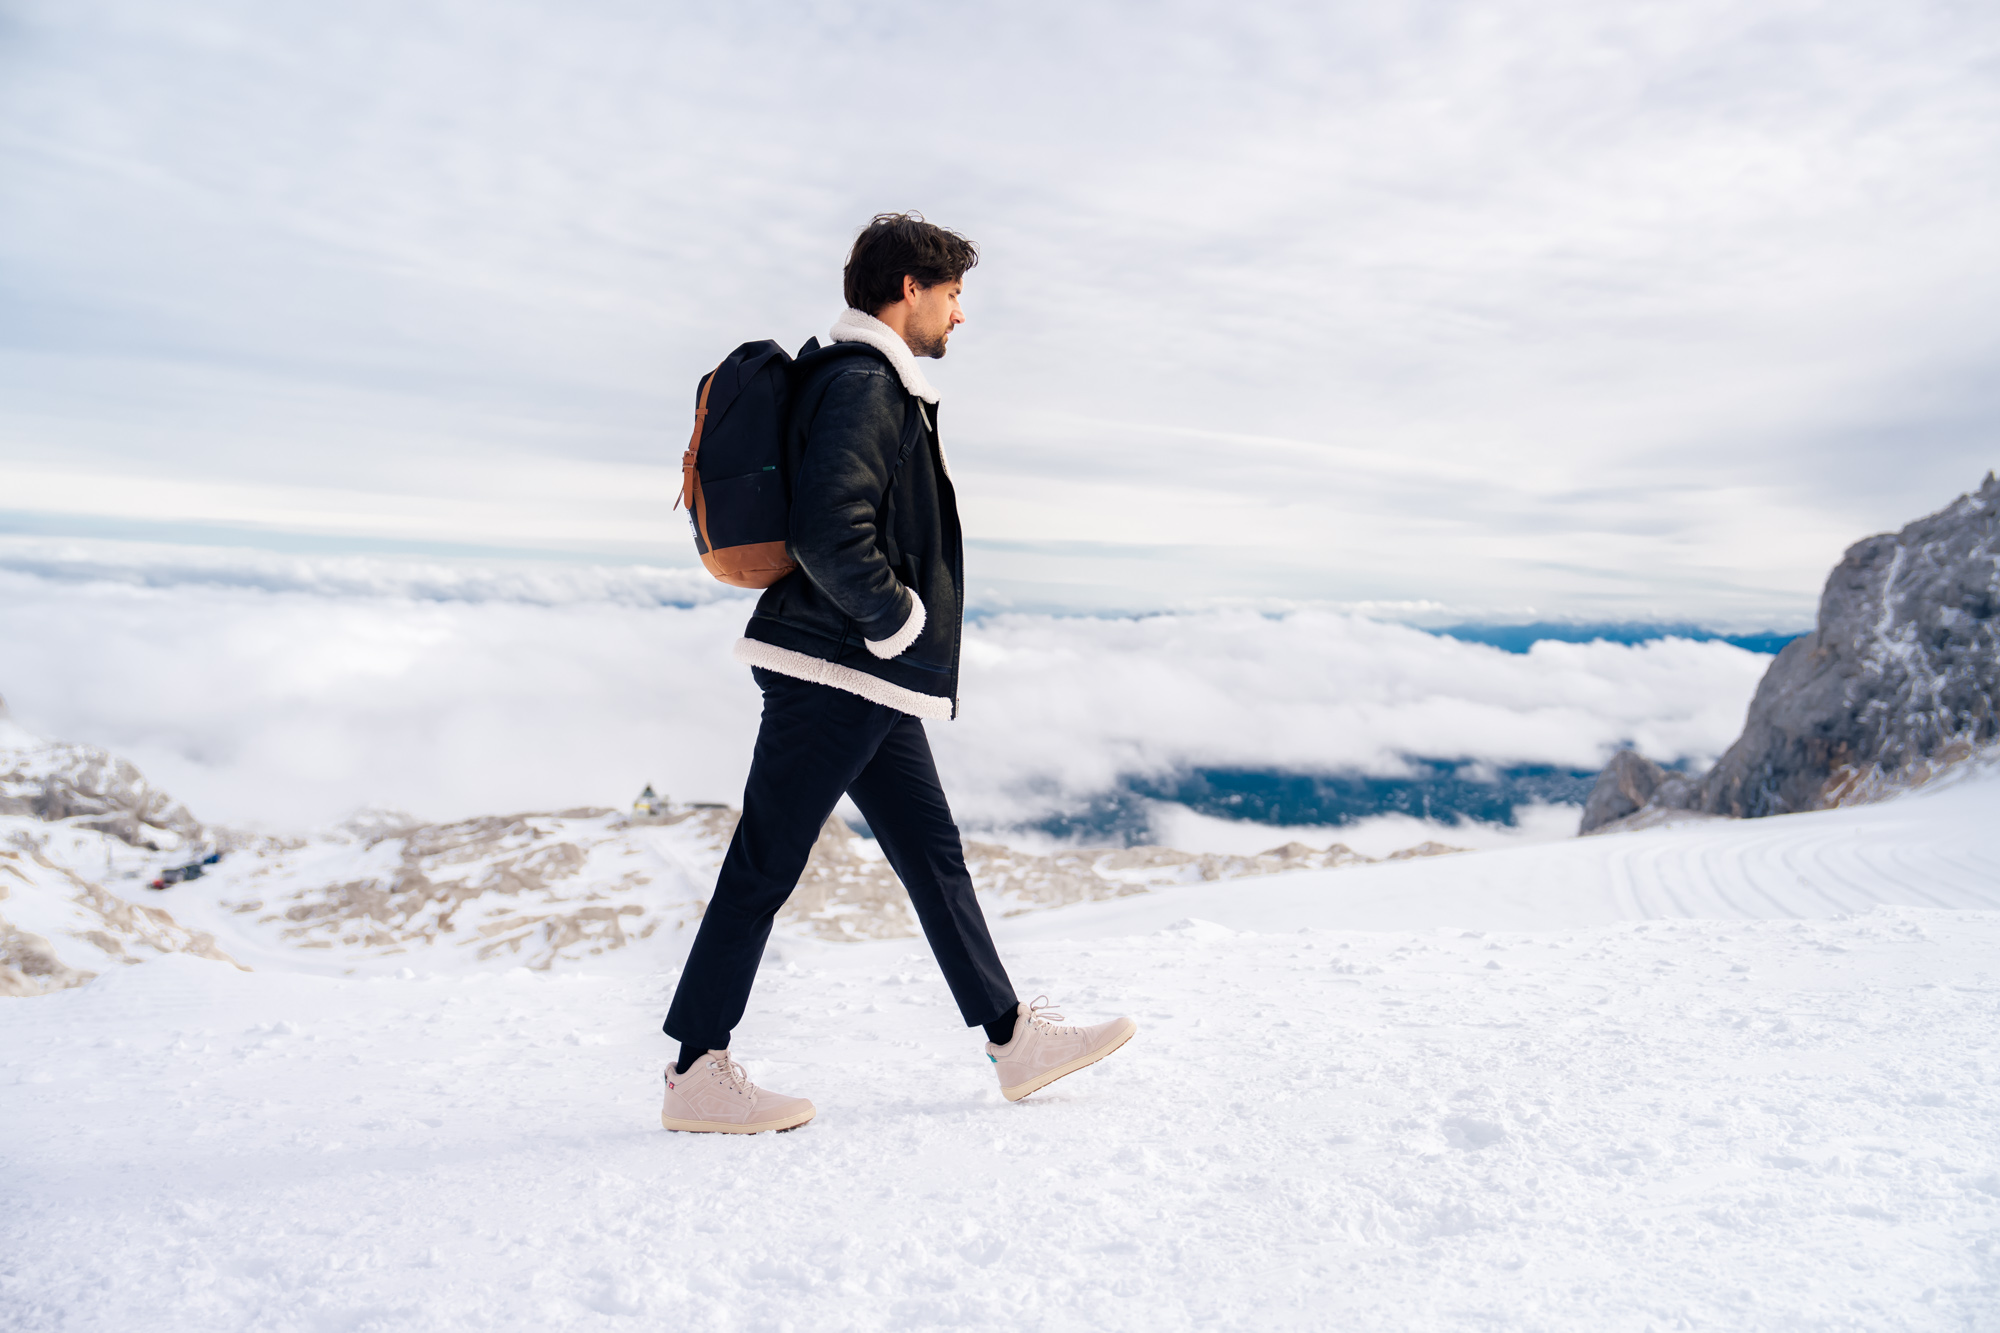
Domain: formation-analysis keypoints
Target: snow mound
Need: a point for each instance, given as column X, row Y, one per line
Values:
column 1710, row 1124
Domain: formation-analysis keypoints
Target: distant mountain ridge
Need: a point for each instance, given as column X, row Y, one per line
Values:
column 1899, row 678
column 1447, row 790
column 1521, row 638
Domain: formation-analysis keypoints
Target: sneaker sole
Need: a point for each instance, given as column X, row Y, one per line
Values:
column 721, row 1127
column 1084, row 1061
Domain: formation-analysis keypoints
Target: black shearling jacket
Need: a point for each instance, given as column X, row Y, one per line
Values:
column 876, row 606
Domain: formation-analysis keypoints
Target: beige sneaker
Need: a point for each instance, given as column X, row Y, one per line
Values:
column 715, row 1096
column 1041, row 1052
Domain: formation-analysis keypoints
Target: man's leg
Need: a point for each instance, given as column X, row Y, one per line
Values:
column 899, row 795
column 811, row 744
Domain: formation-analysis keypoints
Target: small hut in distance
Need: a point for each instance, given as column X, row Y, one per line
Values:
column 650, row 806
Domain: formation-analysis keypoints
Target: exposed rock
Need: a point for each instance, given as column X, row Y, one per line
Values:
column 440, row 870
column 1425, row 849
column 1904, row 664
column 1026, row 882
column 1625, row 785
column 371, row 824
column 1899, row 680
column 1631, row 783
column 29, row 964
column 92, row 788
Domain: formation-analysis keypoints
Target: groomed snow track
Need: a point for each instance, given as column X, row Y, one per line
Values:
column 1722, row 1076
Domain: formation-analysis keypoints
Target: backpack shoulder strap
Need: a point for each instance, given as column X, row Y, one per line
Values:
column 688, row 473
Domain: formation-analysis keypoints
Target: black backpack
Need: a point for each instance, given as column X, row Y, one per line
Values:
column 733, row 480
column 733, row 474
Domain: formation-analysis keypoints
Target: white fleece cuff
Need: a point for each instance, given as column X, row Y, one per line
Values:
column 904, row 637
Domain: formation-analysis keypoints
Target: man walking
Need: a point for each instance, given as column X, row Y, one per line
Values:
column 852, row 651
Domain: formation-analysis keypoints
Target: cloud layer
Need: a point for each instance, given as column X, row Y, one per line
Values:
column 287, row 695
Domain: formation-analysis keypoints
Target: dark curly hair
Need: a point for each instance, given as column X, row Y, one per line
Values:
column 895, row 244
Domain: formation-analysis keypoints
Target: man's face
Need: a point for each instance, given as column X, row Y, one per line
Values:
column 934, row 313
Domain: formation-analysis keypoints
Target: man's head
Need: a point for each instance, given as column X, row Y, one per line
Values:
column 908, row 273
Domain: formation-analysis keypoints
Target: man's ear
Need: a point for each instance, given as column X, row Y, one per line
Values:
column 911, row 287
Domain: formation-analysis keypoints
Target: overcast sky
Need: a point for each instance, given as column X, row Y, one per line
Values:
column 1551, row 308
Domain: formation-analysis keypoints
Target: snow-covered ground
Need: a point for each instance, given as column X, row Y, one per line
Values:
column 1728, row 1076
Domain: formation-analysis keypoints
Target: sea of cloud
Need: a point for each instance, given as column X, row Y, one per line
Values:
column 286, row 691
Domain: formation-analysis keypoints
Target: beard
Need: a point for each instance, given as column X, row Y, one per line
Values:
column 928, row 343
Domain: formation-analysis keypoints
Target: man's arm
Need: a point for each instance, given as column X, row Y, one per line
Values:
column 850, row 453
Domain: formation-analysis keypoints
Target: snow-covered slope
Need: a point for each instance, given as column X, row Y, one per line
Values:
column 591, row 889
column 1733, row 1075
column 60, row 929
column 559, row 890
column 1939, row 847
column 76, row 825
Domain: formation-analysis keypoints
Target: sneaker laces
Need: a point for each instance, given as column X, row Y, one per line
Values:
column 1042, row 1014
column 737, row 1076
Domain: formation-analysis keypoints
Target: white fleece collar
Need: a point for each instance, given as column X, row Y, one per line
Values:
column 856, row 327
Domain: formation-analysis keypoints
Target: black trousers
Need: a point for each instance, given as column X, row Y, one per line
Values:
column 814, row 743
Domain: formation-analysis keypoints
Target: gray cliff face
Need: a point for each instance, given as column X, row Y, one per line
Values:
column 1902, row 669
column 1904, row 663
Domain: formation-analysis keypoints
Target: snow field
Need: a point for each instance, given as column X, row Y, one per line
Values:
column 1688, row 1124
column 1729, row 1075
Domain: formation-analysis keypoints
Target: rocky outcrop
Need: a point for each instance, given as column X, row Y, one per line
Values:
column 1026, row 882
column 506, row 887
column 1623, row 788
column 90, row 787
column 1900, row 675
column 1632, row 784
column 30, row 965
